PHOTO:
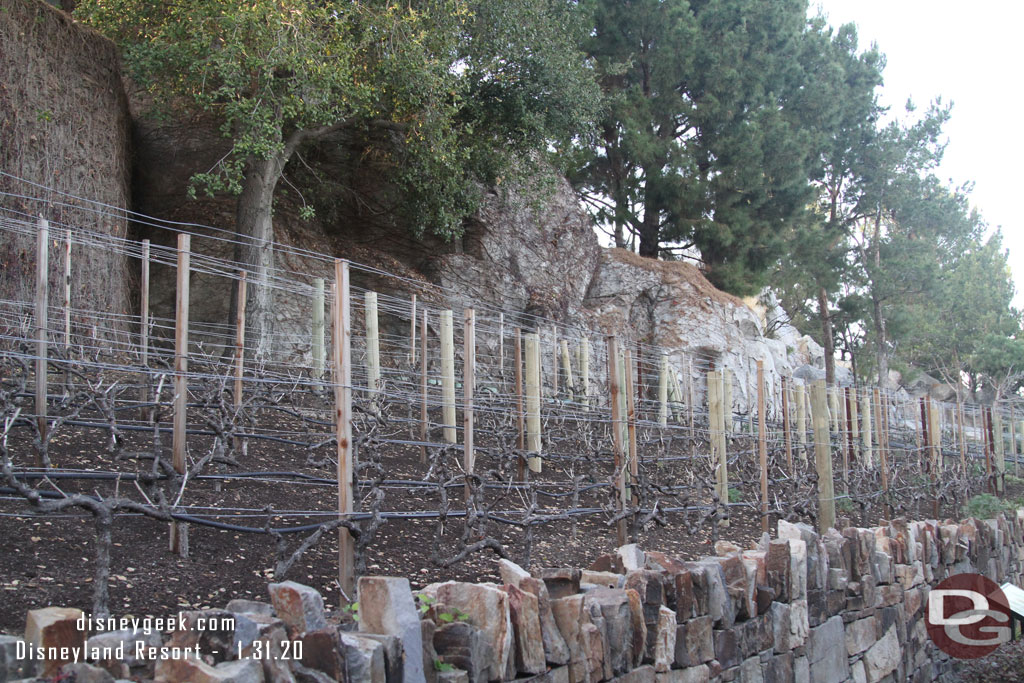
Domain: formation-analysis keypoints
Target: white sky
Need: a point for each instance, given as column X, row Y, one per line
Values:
column 969, row 55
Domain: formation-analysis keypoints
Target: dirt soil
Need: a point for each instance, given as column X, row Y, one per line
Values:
column 1005, row 664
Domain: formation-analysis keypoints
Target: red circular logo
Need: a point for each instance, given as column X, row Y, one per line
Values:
column 968, row 616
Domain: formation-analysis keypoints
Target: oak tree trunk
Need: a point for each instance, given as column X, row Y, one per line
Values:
column 255, row 247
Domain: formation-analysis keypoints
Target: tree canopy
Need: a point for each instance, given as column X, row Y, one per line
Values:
column 741, row 132
column 703, row 141
column 460, row 91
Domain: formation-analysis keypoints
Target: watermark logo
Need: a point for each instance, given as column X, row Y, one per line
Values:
column 968, row 616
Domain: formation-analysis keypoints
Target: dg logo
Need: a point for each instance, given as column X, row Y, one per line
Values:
column 968, row 616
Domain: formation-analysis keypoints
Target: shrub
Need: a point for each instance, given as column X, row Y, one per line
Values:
column 984, row 506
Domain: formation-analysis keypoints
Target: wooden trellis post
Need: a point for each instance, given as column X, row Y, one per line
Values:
column 570, row 384
column 533, row 389
column 67, row 292
column 960, row 435
column 752, row 401
column 373, row 385
column 620, row 465
column 239, row 443
column 144, row 331
column 468, row 381
column 786, row 425
column 716, row 435
column 342, row 361
column 448, row 376
column 520, row 417
column 1020, row 450
column 319, row 352
column 690, row 402
column 854, row 423
column 179, row 531
column 675, row 394
column 634, row 470
column 1000, row 463
column 833, row 408
column 762, row 445
column 865, row 412
column 848, row 441
column 1013, row 438
column 41, row 320
column 663, row 391
column 423, row 388
column 979, row 437
column 554, row 362
column 823, row 457
column 934, row 458
column 884, row 419
column 727, row 378
column 882, row 458
column 923, row 439
column 986, row 419
column 801, row 421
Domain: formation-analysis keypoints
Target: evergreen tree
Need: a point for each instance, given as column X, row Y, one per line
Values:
column 815, row 266
column 703, row 142
column 964, row 328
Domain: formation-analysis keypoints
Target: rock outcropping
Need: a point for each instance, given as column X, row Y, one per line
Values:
column 546, row 261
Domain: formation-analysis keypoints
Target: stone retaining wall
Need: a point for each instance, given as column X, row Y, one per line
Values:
column 845, row 606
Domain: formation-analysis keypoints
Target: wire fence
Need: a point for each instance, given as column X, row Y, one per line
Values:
column 592, row 425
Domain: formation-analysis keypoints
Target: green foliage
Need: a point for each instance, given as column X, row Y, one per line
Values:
column 351, row 610
column 265, row 69
column 845, row 506
column 452, row 616
column 1013, row 480
column 999, row 359
column 423, row 602
column 894, row 261
column 735, row 494
column 704, row 139
column 985, row 506
column 442, row 94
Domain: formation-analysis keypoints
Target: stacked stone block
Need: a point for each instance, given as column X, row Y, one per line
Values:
column 848, row 605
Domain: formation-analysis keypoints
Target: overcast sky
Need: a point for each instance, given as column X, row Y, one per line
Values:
column 970, row 55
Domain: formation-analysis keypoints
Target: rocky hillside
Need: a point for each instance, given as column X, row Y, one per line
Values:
column 526, row 253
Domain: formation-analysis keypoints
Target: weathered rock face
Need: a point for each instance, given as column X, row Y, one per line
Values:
column 532, row 257
column 672, row 305
column 546, row 261
column 64, row 125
